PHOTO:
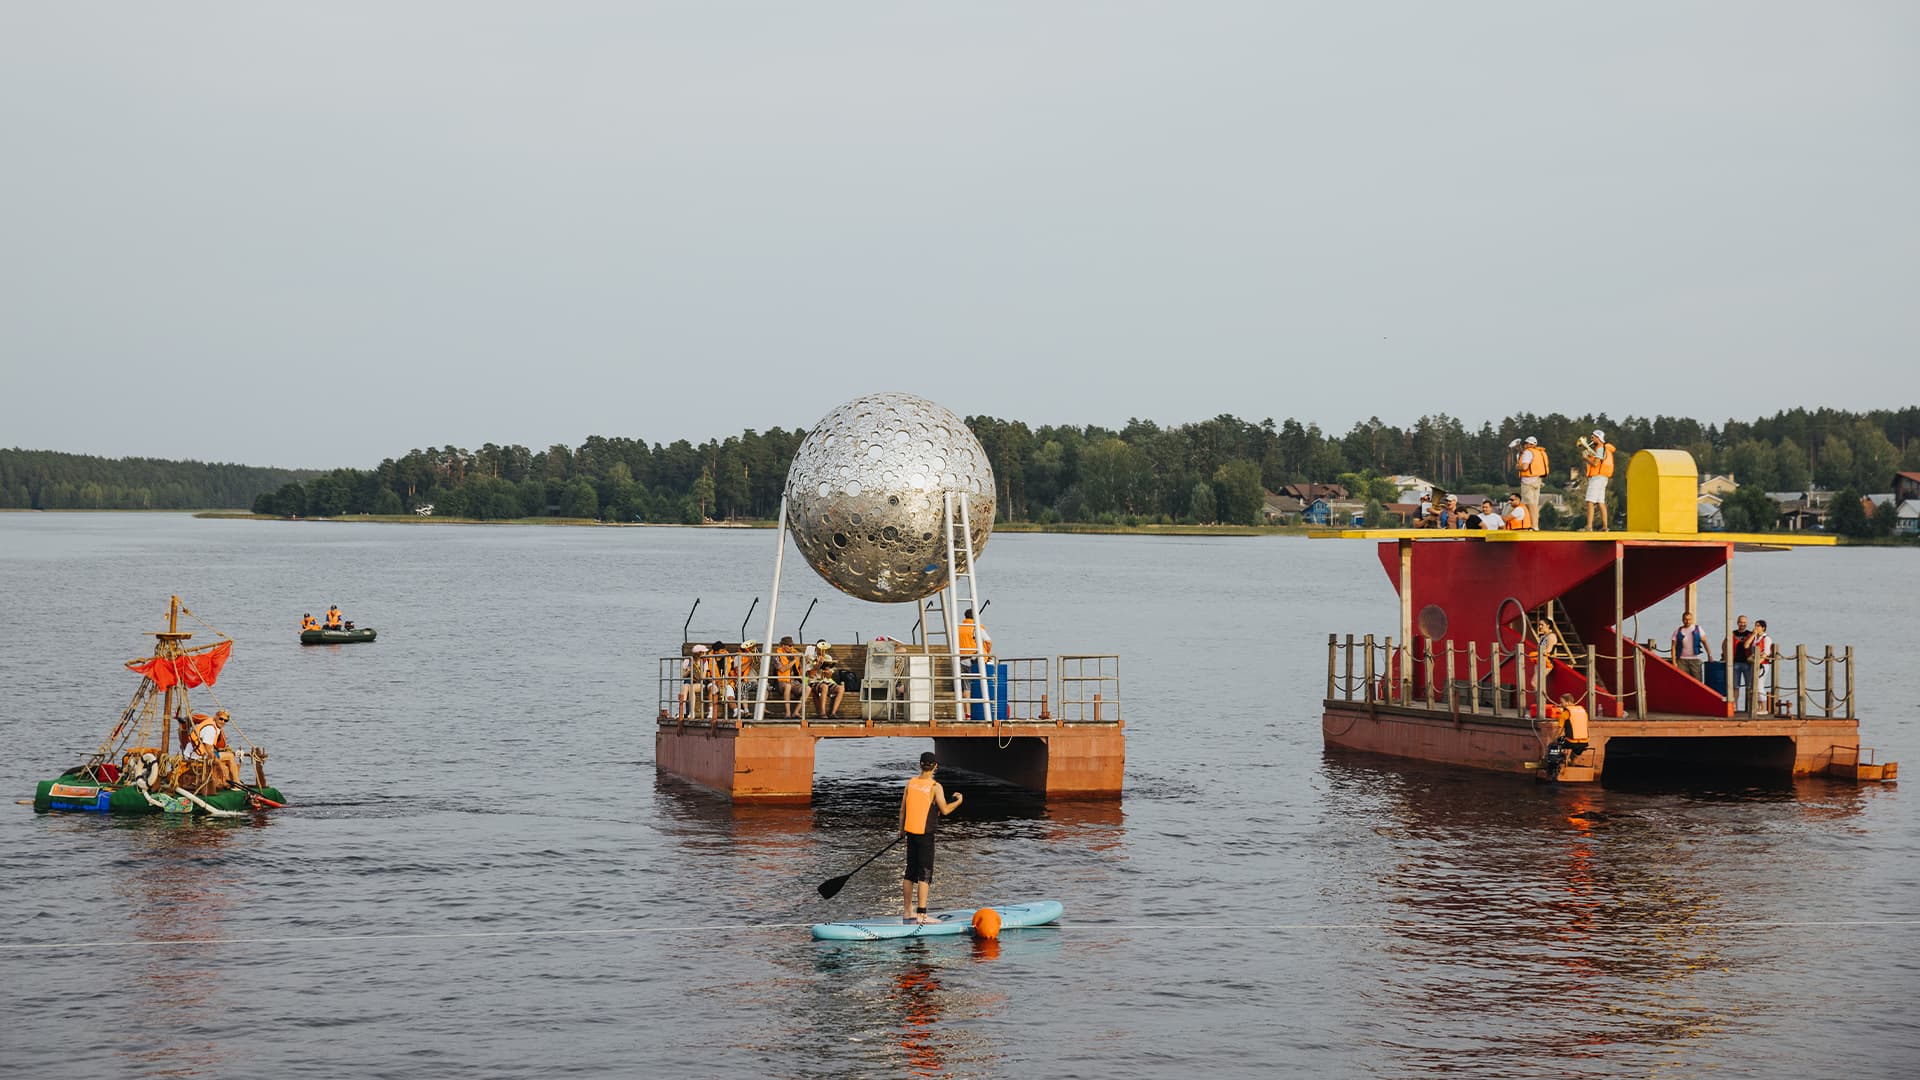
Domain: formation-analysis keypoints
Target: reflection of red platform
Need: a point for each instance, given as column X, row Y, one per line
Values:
column 1470, row 582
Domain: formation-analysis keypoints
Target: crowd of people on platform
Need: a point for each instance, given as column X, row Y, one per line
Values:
column 1521, row 509
column 719, row 681
column 1752, row 665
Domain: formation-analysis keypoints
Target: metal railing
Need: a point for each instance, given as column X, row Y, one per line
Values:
column 1090, row 689
column 905, row 685
column 1422, row 677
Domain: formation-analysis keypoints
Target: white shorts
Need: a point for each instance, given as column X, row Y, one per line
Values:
column 1596, row 489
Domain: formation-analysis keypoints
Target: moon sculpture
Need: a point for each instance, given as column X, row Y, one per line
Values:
column 865, row 495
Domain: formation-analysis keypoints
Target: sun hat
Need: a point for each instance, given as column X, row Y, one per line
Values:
column 1531, row 441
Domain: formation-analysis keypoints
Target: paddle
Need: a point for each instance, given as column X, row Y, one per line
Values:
column 832, row 886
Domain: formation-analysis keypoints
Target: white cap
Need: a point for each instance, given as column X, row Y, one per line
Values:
column 1531, row 441
column 1598, row 434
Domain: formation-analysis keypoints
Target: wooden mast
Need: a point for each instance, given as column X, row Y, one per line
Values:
column 169, row 646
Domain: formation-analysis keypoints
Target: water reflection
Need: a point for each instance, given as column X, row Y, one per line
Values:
column 175, row 885
column 1583, row 915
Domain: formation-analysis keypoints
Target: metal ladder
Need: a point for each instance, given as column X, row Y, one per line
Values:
column 962, row 593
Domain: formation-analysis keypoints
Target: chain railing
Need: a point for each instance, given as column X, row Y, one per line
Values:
column 1374, row 671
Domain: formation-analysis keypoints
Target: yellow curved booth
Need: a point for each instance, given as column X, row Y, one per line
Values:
column 1663, row 492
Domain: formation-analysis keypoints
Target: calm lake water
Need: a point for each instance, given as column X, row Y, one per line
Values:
column 483, row 875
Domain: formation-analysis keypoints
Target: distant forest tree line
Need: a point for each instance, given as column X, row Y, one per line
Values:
column 49, row 480
column 1204, row 472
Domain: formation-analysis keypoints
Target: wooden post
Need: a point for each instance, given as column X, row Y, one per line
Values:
column 1452, row 699
column 1391, row 654
column 1726, row 641
column 1493, row 673
column 1406, row 621
column 1592, row 701
column 1426, row 670
column 1639, row 685
column 1619, row 617
column 1800, row 680
column 1850, row 682
column 1333, row 646
column 1349, row 688
column 1520, row 673
column 1473, row 678
column 1828, row 681
column 1369, row 668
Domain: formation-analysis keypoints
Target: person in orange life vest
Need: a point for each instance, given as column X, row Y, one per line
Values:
column 1518, row 517
column 786, row 675
column 1690, row 652
column 333, row 617
column 748, row 663
column 308, row 622
column 717, row 679
column 917, row 819
column 208, row 741
column 976, row 646
column 1599, row 470
column 1574, row 719
column 1532, row 466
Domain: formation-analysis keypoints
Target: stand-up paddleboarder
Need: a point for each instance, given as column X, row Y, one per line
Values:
column 917, row 819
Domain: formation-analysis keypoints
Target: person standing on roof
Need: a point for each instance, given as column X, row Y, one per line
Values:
column 1599, row 457
column 1533, row 471
column 917, row 819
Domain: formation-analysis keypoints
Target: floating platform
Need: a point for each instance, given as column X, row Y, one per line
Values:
column 1512, row 655
column 1058, row 729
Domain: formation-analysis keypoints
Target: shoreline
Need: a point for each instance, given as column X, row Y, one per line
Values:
column 1065, row 528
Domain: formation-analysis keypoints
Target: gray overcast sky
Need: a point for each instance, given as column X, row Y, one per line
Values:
column 319, row 234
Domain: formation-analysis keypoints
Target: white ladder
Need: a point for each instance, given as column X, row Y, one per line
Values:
column 961, row 594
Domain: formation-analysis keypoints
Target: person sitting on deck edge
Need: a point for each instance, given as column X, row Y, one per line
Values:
column 917, row 820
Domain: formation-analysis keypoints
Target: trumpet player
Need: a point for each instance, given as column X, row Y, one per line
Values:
column 1532, row 466
column 1598, row 453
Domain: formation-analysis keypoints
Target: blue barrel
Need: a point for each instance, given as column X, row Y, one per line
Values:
column 1716, row 672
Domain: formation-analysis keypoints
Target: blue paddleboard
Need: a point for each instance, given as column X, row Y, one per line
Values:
column 946, row 923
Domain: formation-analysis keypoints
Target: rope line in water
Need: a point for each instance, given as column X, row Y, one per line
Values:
column 738, row 928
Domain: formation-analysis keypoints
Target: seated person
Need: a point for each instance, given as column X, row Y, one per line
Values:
column 786, row 676
column 1423, row 515
column 823, row 687
column 333, row 617
column 208, row 742
column 1487, row 519
column 308, row 622
column 1517, row 516
column 697, row 656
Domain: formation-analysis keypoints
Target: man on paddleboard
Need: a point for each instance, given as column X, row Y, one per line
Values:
column 924, row 794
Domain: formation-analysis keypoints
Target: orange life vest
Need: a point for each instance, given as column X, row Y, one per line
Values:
column 786, row 662
column 969, row 640
column 1603, row 466
column 919, row 804
column 333, row 618
column 1519, row 518
column 1537, row 465
column 1576, row 723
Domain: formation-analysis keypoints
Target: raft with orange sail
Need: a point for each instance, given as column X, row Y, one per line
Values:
column 141, row 768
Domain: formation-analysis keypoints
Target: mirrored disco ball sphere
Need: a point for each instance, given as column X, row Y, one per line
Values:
column 864, row 495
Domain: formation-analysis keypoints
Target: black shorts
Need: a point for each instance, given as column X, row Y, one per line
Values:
column 919, row 857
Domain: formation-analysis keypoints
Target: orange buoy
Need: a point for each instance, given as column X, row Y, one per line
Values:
column 986, row 923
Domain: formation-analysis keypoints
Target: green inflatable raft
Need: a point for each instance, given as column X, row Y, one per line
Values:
column 336, row 637
column 75, row 792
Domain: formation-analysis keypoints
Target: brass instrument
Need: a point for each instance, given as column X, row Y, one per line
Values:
column 1587, row 449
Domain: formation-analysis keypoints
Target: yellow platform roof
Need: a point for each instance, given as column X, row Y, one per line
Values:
column 1534, row 536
